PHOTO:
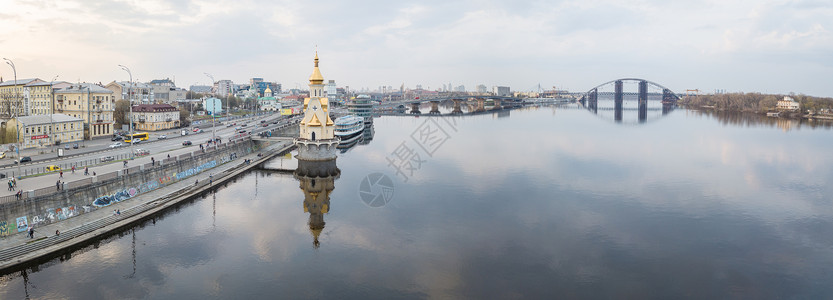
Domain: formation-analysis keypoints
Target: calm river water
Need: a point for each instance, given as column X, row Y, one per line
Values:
column 534, row 203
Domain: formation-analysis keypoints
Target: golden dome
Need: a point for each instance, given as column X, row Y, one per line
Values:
column 316, row 77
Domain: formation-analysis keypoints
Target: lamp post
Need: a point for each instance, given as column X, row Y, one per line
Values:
column 130, row 105
column 17, row 119
column 213, row 115
column 51, row 112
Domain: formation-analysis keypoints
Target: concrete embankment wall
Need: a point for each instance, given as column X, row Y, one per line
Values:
column 48, row 205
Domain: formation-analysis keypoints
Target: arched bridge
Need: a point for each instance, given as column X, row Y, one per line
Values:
column 590, row 100
column 619, row 94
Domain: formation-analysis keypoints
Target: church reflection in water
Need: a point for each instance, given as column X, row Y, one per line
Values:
column 317, row 180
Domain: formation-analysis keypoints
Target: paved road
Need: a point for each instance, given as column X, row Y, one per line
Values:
column 158, row 149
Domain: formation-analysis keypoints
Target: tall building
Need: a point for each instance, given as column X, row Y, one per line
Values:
column 224, row 88
column 317, row 141
column 90, row 102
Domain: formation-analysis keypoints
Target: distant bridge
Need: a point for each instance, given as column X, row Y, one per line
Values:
column 618, row 94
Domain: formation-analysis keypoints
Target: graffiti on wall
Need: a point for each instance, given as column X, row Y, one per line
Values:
column 117, row 197
column 54, row 215
column 195, row 170
column 62, row 213
column 22, row 224
column 8, row 228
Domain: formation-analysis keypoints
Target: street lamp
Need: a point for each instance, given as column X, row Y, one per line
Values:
column 213, row 115
column 130, row 105
column 17, row 123
column 51, row 112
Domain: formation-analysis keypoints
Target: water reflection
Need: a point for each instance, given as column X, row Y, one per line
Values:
column 754, row 120
column 317, row 180
column 629, row 110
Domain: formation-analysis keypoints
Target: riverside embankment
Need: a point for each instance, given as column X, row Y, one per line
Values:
column 83, row 210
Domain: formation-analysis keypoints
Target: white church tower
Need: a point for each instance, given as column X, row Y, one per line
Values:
column 317, row 139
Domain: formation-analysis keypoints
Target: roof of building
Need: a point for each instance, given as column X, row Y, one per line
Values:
column 153, row 108
column 84, row 88
column 45, row 83
column 316, row 77
column 18, row 82
column 46, row 119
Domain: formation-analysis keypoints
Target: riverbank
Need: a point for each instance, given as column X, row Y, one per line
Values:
column 55, row 238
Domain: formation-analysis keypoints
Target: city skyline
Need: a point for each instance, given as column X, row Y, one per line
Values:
column 741, row 46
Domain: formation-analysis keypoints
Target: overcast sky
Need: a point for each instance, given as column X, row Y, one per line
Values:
column 749, row 46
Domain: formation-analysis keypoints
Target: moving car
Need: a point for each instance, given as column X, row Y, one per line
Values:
column 135, row 141
column 186, row 143
column 162, row 137
column 115, row 145
column 2, row 154
column 24, row 159
column 107, row 158
column 116, row 138
column 140, row 152
column 51, row 168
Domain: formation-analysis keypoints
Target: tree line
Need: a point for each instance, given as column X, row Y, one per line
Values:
column 755, row 102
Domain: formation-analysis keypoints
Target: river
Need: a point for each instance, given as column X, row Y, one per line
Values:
column 539, row 202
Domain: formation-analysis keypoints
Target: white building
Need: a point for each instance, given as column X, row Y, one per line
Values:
column 788, row 104
column 224, row 88
column 501, row 91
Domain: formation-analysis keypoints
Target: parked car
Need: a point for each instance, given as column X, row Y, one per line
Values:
column 24, row 159
column 107, row 158
column 51, row 168
column 75, row 146
column 262, row 121
column 66, row 147
column 115, row 145
column 116, row 138
column 162, row 137
column 186, row 143
column 2, row 154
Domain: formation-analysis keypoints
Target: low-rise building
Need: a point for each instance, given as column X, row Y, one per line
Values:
column 139, row 93
column 13, row 97
column 44, row 130
column 152, row 117
column 91, row 102
column 788, row 103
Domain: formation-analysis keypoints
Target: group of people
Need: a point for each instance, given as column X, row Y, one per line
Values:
column 12, row 184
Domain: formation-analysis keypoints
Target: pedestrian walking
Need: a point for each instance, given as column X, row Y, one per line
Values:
column 31, row 232
column 61, row 174
column 58, row 185
column 125, row 164
column 10, row 184
column 14, row 183
column 73, row 169
column 19, row 195
column 152, row 161
column 169, row 155
column 86, row 171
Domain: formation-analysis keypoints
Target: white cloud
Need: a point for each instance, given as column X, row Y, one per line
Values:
column 575, row 44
